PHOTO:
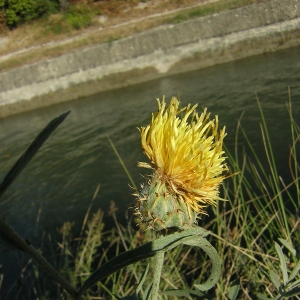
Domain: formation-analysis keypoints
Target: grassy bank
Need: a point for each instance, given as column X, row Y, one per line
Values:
column 90, row 23
column 262, row 208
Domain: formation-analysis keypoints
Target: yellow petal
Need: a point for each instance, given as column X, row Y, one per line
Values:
column 186, row 152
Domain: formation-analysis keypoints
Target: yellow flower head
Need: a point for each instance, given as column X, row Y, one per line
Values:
column 186, row 153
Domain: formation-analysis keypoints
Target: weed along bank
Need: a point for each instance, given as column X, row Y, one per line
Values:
column 169, row 49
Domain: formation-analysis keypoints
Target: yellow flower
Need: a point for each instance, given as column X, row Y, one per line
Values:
column 186, row 154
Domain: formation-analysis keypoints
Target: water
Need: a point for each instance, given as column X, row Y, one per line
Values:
column 58, row 184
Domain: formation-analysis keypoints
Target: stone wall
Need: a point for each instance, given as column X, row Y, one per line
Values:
column 168, row 49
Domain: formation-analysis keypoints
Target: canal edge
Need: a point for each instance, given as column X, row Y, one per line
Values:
column 163, row 51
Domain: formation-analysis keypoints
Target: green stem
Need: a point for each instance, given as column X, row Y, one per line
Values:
column 158, row 261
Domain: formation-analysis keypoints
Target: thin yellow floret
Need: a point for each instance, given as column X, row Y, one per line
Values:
column 186, row 152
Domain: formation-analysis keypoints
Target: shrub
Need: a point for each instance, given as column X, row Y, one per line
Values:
column 20, row 11
column 78, row 16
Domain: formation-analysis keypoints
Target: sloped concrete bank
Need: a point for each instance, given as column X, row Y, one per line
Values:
column 169, row 49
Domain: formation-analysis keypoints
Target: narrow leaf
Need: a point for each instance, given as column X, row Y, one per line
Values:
column 262, row 297
column 282, row 263
column 293, row 292
column 294, row 284
column 145, row 251
column 147, row 293
column 121, row 162
column 275, row 280
column 144, row 275
column 295, row 271
column 7, row 234
column 288, row 245
column 8, row 237
column 130, row 297
column 233, row 291
column 187, row 293
column 30, row 152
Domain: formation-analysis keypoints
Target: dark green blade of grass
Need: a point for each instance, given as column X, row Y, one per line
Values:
column 7, row 237
column 30, row 152
column 7, row 234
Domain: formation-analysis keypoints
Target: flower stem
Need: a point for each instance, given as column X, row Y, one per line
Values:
column 158, row 264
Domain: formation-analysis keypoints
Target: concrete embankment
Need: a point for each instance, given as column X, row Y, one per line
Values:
column 166, row 50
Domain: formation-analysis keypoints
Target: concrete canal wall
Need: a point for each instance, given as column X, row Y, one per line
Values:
column 165, row 50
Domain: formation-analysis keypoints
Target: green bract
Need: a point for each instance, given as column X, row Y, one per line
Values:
column 161, row 210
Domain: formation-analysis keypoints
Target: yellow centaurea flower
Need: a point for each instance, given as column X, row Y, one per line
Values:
column 186, row 154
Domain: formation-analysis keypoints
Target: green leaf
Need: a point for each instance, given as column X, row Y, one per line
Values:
column 295, row 271
column 288, row 245
column 193, row 236
column 131, row 297
column 30, row 152
column 144, row 275
column 275, row 280
column 233, row 291
column 262, row 297
column 8, row 236
column 293, row 292
column 187, row 293
column 294, row 284
column 147, row 293
column 282, row 263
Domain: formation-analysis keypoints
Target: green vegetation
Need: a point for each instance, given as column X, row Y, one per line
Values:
column 75, row 16
column 79, row 13
column 247, row 231
column 78, row 17
column 16, row 12
column 211, row 8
